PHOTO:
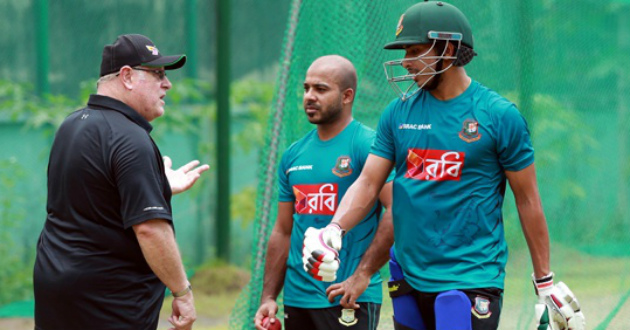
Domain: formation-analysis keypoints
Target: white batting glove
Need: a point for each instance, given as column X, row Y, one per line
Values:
column 320, row 254
column 557, row 307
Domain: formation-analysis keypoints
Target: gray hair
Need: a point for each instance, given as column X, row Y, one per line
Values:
column 106, row 78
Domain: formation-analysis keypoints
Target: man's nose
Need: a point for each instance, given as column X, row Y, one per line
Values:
column 406, row 63
column 166, row 83
column 309, row 95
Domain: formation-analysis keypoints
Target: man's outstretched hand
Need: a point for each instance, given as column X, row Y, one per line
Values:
column 184, row 177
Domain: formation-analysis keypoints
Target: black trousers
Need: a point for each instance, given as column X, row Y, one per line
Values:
column 486, row 307
column 364, row 318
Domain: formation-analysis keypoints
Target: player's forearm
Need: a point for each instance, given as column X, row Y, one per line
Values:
column 536, row 234
column 527, row 198
column 275, row 264
column 377, row 253
column 157, row 241
column 356, row 203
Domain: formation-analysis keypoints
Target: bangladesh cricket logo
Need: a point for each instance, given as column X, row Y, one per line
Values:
column 470, row 131
column 399, row 27
column 482, row 308
column 347, row 317
column 342, row 167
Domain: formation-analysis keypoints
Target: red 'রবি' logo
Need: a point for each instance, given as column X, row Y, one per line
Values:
column 320, row 199
column 434, row 165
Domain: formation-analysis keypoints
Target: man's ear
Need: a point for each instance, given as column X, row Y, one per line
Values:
column 451, row 49
column 348, row 96
column 125, row 75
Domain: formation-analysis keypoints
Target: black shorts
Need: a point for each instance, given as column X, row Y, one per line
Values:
column 486, row 307
column 364, row 318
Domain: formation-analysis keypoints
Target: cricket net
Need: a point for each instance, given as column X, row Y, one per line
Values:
column 558, row 61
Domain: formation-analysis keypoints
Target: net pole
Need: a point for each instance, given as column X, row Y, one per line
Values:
column 276, row 130
column 623, row 42
column 271, row 160
column 223, row 130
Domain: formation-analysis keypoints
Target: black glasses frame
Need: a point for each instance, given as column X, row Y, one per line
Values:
column 161, row 74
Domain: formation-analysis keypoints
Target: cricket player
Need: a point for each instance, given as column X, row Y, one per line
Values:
column 455, row 144
column 313, row 176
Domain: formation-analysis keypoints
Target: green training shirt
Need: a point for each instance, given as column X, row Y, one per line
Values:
column 314, row 175
column 451, row 157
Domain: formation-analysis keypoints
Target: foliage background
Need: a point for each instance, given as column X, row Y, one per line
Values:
column 51, row 54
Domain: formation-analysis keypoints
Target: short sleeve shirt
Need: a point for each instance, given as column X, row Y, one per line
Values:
column 314, row 175
column 105, row 174
column 451, row 157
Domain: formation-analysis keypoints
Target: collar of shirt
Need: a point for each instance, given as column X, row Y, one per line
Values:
column 102, row 102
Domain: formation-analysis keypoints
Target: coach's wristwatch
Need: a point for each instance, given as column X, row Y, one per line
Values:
column 183, row 292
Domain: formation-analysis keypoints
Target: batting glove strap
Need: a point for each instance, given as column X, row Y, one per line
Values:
column 341, row 230
column 331, row 236
column 543, row 285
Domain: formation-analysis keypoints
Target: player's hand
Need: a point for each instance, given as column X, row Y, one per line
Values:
column 184, row 313
column 351, row 289
column 320, row 255
column 557, row 307
column 184, row 177
column 268, row 308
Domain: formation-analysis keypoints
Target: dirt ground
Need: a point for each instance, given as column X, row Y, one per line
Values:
column 28, row 324
column 17, row 324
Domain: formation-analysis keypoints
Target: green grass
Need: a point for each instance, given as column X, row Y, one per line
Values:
column 213, row 311
column 598, row 282
column 216, row 286
column 602, row 284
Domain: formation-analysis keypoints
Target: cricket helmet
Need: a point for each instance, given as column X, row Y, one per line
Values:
column 436, row 23
column 417, row 23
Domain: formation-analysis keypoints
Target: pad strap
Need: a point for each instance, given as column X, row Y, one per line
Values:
column 399, row 288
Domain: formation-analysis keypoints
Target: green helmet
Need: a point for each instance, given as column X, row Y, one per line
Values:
column 439, row 17
column 435, row 23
